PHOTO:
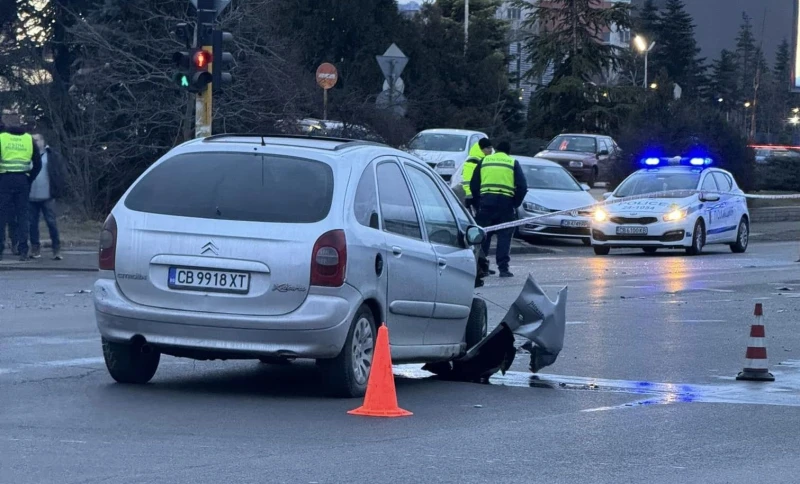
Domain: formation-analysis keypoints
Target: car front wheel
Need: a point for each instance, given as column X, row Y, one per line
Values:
column 742, row 237
column 698, row 239
column 347, row 374
column 601, row 250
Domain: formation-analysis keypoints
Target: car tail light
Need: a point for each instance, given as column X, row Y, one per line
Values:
column 108, row 245
column 329, row 259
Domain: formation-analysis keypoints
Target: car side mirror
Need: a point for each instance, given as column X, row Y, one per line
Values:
column 475, row 235
column 606, row 195
column 710, row 197
column 585, row 187
column 603, row 153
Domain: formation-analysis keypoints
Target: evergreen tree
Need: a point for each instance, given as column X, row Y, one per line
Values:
column 568, row 38
column 677, row 52
column 746, row 53
column 725, row 81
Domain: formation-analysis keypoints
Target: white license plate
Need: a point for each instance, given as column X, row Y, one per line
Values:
column 582, row 224
column 631, row 230
column 209, row 280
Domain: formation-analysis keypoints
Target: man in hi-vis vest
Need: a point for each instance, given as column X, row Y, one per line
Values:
column 479, row 151
column 498, row 189
column 20, row 164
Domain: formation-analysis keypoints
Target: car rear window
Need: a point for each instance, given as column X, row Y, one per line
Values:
column 236, row 186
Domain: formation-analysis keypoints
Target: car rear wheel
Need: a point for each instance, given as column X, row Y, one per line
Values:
column 130, row 362
column 601, row 250
column 347, row 374
column 698, row 239
column 742, row 237
column 650, row 250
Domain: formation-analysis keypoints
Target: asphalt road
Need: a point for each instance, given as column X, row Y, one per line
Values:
column 643, row 391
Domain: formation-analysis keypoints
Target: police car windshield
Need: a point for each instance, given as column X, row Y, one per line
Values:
column 549, row 178
column 651, row 182
column 438, row 142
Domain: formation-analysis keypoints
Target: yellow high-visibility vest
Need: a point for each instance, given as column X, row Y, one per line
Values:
column 16, row 153
column 475, row 156
column 497, row 175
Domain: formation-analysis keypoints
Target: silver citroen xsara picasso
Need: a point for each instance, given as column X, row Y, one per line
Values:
column 277, row 248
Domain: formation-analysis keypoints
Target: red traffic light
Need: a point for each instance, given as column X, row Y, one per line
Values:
column 201, row 59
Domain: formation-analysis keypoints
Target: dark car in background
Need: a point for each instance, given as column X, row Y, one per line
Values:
column 584, row 155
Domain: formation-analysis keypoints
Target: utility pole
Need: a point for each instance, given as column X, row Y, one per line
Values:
column 206, row 13
column 466, row 25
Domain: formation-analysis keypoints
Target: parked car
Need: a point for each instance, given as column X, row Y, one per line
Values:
column 582, row 154
column 276, row 248
column 445, row 150
column 551, row 188
column 679, row 221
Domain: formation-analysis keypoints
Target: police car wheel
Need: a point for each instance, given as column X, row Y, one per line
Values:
column 587, row 242
column 742, row 237
column 601, row 250
column 698, row 239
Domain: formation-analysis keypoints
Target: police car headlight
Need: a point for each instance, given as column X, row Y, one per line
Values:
column 446, row 164
column 600, row 215
column 534, row 208
column 675, row 215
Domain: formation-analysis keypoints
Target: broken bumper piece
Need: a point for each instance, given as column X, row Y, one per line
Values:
column 533, row 316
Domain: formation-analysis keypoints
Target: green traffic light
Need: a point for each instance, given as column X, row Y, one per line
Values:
column 184, row 81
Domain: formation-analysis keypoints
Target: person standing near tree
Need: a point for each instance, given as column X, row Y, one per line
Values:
column 498, row 189
column 20, row 164
column 48, row 187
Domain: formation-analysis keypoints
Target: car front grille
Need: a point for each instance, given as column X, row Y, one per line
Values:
column 634, row 220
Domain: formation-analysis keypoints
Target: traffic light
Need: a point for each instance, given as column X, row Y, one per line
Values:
column 192, row 74
column 222, row 60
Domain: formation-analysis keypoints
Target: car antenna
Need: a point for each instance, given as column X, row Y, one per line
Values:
column 263, row 143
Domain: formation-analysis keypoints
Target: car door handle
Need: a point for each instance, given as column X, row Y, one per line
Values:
column 442, row 263
column 397, row 251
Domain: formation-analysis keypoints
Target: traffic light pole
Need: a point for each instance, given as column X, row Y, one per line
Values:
column 206, row 13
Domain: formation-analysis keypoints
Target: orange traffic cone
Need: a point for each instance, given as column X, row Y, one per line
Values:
column 381, row 398
column 756, row 364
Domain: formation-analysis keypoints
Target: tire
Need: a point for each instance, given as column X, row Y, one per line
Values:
column 601, row 250
column 268, row 360
column 698, row 239
column 592, row 180
column 650, row 250
column 477, row 324
column 587, row 241
column 347, row 374
column 742, row 237
column 127, row 364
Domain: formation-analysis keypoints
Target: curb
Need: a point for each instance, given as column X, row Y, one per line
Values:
column 31, row 267
column 526, row 250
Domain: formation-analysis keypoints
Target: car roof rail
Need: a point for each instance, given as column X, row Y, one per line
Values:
column 358, row 142
column 345, row 142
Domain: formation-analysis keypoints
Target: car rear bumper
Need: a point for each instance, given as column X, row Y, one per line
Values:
column 206, row 335
column 660, row 234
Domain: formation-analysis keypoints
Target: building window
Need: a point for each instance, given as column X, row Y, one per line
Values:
column 514, row 13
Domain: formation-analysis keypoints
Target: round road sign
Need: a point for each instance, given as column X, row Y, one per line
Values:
column 327, row 76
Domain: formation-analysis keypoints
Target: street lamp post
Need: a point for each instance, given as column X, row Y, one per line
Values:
column 642, row 46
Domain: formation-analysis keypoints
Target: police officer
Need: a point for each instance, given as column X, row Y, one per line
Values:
column 20, row 163
column 479, row 151
column 498, row 188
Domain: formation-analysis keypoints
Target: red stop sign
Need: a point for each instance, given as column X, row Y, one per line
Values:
column 327, row 76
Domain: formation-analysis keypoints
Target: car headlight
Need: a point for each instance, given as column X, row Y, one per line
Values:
column 600, row 215
column 675, row 215
column 446, row 164
column 535, row 208
column 576, row 164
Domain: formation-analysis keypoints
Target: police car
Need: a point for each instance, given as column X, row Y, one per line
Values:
column 673, row 221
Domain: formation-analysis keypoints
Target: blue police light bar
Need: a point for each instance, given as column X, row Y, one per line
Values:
column 700, row 161
column 651, row 161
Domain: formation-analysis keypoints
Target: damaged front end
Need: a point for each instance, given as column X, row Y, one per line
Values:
column 533, row 316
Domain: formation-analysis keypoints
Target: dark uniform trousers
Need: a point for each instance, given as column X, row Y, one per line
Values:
column 15, row 189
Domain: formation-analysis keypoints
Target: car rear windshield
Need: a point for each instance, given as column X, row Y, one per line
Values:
column 236, row 186
column 642, row 183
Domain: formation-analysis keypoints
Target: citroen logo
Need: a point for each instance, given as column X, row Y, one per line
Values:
column 210, row 247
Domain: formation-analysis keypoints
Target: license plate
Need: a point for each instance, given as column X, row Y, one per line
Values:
column 631, row 230
column 208, row 280
column 575, row 223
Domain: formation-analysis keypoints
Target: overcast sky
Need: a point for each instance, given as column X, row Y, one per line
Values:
column 718, row 22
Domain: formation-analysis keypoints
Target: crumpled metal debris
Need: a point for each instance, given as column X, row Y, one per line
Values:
column 533, row 316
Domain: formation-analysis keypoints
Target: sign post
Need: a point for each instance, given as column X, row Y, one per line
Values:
column 392, row 64
column 327, row 76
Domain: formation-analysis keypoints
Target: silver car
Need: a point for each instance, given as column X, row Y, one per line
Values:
column 277, row 248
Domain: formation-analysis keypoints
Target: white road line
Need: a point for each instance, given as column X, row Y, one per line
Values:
column 701, row 321
column 45, row 340
column 577, row 322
